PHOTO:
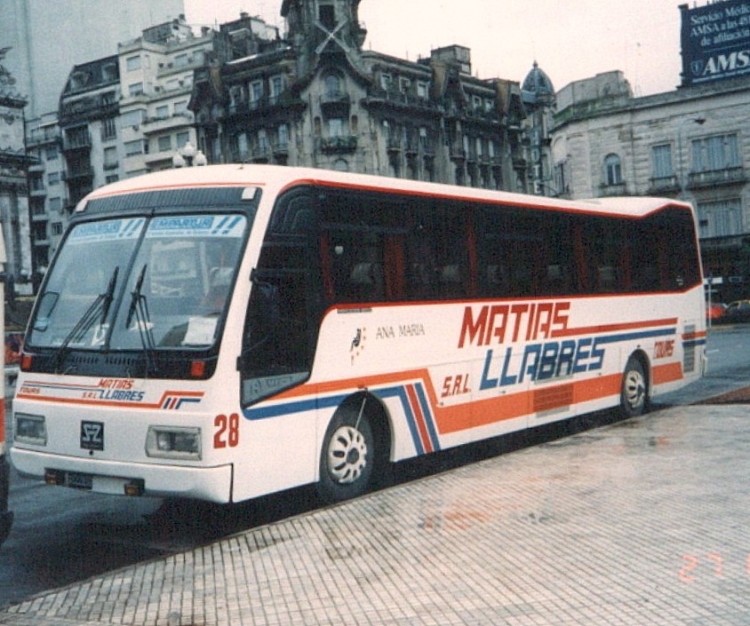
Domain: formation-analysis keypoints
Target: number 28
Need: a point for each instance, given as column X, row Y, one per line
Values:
column 227, row 431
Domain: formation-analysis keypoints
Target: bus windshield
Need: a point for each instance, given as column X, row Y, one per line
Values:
column 135, row 283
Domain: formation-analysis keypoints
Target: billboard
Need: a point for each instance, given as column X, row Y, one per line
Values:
column 715, row 41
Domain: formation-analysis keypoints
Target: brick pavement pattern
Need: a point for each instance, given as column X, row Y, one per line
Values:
column 641, row 522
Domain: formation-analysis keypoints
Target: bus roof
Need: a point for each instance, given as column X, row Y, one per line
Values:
column 278, row 178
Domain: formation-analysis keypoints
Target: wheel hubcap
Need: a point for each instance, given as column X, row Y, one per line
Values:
column 635, row 389
column 347, row 455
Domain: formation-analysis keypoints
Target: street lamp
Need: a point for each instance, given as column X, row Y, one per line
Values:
column 189, row 156
column 682, row 182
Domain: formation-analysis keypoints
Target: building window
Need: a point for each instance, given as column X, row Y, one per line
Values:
column 109, row 72
column 109, row 129
column 180, row 107
column 386, row 81
column 335, row 127
column 422, row 89
column 182, row 138
column 613, row 170
column 262, row 142
column 715, row 153
column 662, row 161
column 165, row 143
column 283, row 136
column 277, row 86
column 55, row 204
column 134, row 147
column 720, row 219
column 51, row 154
column 404, row 85
column 53, row 178
column 256, row 91
column 327, row 15
column 236, row 95
column 110, row 157
column 136, row 89
column 57, row 228
column 133, row 63
column 243, row 148
column 132, row 118
column 333, row 86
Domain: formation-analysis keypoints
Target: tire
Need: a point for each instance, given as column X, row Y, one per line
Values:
column 634, row 392
column 347, row 458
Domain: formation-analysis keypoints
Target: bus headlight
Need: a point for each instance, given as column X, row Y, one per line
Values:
column 174, row 442
column 30, row 429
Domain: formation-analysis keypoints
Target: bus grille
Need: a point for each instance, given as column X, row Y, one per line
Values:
column 557, row 397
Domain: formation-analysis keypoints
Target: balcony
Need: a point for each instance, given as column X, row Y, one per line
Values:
column 616, row 189
column 77, row 141
column 41, row 136
column 153, row 125
column 663, row 185
column 344, row 144
column 726, row 176
column 392, row 98
column 79, row 173
column 335, row 105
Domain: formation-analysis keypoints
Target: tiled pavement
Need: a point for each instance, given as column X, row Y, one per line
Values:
column 646, row 522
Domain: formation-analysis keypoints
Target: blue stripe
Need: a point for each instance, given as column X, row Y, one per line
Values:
column 324, row 402
column 644, row 334
column 400, row 393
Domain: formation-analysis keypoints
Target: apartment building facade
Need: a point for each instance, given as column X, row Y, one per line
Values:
column 14, row 163
column 317, row 98
column 118, row 116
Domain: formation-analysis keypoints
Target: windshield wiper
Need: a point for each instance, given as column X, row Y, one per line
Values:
column 97, row 311
column 139, row 309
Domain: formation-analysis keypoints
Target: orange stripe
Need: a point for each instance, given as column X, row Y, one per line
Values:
column 609, row 328
column 419, row 418
column 667, row 373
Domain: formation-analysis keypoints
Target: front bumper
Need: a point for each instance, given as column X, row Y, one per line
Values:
column 213, row 484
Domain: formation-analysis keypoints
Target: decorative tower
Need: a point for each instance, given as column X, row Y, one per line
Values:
column 539, row 99
column 318, row 28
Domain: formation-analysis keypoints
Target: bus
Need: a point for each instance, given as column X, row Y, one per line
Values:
column 230, row 331
column 6, row 515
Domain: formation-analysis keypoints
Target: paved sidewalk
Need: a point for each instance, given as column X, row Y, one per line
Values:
column 642, row 522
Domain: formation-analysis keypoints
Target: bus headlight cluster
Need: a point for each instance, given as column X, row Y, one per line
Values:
column 174, row 442
column 30, row 429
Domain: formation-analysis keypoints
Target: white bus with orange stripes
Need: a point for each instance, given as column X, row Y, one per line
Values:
column 230, row 331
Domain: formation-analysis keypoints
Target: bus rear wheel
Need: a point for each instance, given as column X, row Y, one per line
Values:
column 634, row 393
column 347, row 457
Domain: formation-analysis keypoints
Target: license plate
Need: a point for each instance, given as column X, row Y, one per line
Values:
column 92, row 435
column 80, row 481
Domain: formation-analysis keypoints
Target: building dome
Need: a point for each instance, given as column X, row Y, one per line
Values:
column 537, row 87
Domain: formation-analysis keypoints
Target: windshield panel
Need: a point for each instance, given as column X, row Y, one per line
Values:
column 181, row 269
column 180, row 282
column 94, row 255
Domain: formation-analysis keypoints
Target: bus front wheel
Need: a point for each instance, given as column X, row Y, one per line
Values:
column 347, row 456
column 634, row 393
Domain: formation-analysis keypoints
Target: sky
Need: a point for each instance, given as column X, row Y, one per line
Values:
column 571, row 40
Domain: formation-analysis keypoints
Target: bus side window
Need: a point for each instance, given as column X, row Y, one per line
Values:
column 437, row 254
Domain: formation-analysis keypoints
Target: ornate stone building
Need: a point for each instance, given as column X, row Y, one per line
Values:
column 14, row 164
column 317, row 98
